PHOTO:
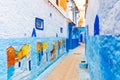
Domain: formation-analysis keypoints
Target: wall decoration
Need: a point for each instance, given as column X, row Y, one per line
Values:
column 45, row 51
column 59, row 47
column 42, row 50
column 27, row 57
column 45, row 45
column 33, row 33
column 63, row 46
column 39, row 49
column 39, row 24
column 59, row 43
column 18, row 59
column 53, row 52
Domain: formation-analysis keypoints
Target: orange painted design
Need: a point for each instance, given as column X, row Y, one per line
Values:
column 20, row 55
column 54, row 47
column 39, row 47
column 10, row 56
column 53, row 52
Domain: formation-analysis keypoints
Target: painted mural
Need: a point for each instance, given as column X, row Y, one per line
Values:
column 53, row 52
column 18, row 58
column 45, row 50
column 61, row 47
column 39, row 49
column 27, row 61
column 42, row 51
column 64, row 46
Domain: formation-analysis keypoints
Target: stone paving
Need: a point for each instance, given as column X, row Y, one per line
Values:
column 68, row 68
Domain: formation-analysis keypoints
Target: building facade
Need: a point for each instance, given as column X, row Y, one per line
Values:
column 28, row 28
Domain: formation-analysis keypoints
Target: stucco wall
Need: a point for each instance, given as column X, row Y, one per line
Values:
column 92, row 10
column 103, row 50
column 103, row 57
column 17, row 19
column 109, row 16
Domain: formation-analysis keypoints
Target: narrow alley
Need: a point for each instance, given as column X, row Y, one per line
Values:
column 59, row 39
column 69, row 69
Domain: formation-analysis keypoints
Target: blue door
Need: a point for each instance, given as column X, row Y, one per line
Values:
column 81, row 38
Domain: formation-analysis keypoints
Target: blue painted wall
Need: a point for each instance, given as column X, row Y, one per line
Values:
column 103, row 56
column 32, row 69
column 73, row 36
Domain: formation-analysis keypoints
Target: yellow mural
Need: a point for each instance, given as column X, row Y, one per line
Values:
column 14, row 56
column 24, row 52
column 45, row 45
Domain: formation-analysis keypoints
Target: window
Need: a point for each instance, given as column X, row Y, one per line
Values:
column 39, row 24
column 61, row 30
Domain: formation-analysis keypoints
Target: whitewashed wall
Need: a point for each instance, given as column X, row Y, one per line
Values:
column 92, row 10
column 103, row 52
column 17, row 19
column 109, row 16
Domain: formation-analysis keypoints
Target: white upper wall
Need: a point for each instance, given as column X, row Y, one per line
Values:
column 109, row 16
column 92, row 10
column 17, row 19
